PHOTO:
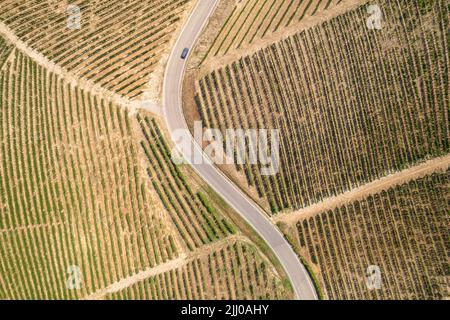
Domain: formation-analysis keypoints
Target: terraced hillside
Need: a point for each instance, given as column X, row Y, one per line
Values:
column 82, row 198
column 404, row 231
column 352, row 104
column 117, row 45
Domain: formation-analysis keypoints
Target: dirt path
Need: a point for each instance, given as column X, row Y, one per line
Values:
column 362, row 192
column 215, row 62
column 126, row 282
column 73, row 78
column 177, row 263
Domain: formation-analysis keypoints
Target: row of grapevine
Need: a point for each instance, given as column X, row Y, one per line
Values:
column 117, row 46
column 252, row 20
column 352, row 104
column 234, row 271
column 5, row 50
column 197, row 222
column 404, row 231
column 71, row 192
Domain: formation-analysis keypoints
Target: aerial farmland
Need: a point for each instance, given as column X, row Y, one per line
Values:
column 115, row 117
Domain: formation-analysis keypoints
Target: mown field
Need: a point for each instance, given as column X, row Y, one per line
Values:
column 84, row 183
column 118, row 45
column 352, row 104
column 403, row 230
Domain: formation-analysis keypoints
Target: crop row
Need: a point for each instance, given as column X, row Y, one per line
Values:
column 235, row 271
column 351, row 104
column 118, row 45
column 251, row 20
column 404, row 231
column 5, row 50
column 197, row 222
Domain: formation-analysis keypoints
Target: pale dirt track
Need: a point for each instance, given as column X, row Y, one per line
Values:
column 177, row 263
column 362, row 192
column 298, row 275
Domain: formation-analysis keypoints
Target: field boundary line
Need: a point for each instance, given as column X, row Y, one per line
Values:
column 32, row 227
column 176, row 263
column 140, row 276
column 362, row 192
column 68, row 76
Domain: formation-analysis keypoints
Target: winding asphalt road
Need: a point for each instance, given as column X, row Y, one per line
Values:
column 172, row 106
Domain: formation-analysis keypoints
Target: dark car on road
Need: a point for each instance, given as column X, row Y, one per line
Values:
column 184, row 53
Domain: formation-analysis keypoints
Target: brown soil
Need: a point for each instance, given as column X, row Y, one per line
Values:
column 362, row 192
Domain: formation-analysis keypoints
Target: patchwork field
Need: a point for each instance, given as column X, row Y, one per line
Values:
column 197, row 221
column 232, row 271
column 403, row 230
column 93, row 207
column 87, row 193
column 351, row 104
column 252, row 20
column 118, row 45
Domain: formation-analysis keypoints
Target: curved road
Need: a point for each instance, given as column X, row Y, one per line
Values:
column 173, row 113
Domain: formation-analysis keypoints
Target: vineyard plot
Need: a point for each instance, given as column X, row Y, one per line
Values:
column 403, row 231
column 117, row 45
column 232, row 271
column 253, row 20
column 352, row 104
column 71, row 193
